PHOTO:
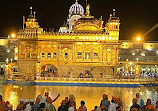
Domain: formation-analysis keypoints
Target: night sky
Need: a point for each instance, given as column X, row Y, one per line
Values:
column 137, row 16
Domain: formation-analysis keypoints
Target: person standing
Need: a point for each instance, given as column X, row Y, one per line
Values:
column 36, row 106
column 149, row 106
column 72, row 106
column 63, row 106
column 43, row 100
column 135, row 106
column 27, row 105
column 49, row 106
column 112, row 106
column 105, row 102
column 140, row 101
column 82, row 107
column 20, row 105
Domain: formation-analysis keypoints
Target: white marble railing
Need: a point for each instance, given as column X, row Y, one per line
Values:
column 95, row 79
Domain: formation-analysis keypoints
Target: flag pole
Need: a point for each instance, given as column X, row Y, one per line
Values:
column 23, row 22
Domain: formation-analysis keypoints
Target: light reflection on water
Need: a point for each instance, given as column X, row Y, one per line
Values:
column 91, row 95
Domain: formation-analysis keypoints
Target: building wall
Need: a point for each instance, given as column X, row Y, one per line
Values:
column 144, row 51
column 27, row 57
column 78, row 56
column 5, row 51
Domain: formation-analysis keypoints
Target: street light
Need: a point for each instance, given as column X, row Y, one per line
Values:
column 13, row 35
column 138, row 38
column 7, row 60
column 11, row 60
column 137, row 59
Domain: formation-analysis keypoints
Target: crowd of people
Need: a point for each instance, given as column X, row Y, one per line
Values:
column 69, row 104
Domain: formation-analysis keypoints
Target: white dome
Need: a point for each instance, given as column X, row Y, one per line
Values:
column 76, row 9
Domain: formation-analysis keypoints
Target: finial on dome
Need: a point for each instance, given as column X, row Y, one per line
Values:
column 87, row 10
column 34, row 14
column 86, row 2
column 76, row 2
column 114, row 13
column 30, row 10
column 101, row 17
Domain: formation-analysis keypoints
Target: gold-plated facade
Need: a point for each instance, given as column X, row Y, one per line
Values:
column 89, row 47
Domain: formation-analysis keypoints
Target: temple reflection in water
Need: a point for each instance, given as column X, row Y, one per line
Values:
column 91, row 95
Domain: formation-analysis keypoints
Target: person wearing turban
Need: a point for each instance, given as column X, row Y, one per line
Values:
column 113, row 105
column 105, row 102
column 48, row 105
column 149, row 106
column 63, row 106
column 140, row 101
column 36, row 106
column 135, row 106
column 20, row 105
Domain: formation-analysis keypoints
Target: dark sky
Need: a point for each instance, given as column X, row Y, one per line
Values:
column 137, row 16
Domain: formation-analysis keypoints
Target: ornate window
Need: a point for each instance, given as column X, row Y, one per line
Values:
column 66, row 55
column 55, row 56
column 95, row 56
column 49, row 56
column 79, row 55
column 87, row 55
column 43, row 55
column 28, row 55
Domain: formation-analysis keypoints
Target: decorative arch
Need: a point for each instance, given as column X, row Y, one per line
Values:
column 49, row 70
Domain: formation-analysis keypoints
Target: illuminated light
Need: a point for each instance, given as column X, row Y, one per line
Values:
column 108, row 49
column 133, row 54
column 97, row 38
column 7, row 60
column 65, row 48
column 8, row 50
column 15, row 86
column 79, row 43
column 142, row 54
column 95, row 43
column 11, row 60
column 109, row 38
column 103, row 38
column 137, row 59
column 87, row 43
column 126, row 59
column 138, row 39
column 130, row 63
column 149, row 49
column 137, row 68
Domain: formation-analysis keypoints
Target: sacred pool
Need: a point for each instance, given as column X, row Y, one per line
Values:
column 91, row 95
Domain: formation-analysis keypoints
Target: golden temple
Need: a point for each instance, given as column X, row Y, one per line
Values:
column 84, row 45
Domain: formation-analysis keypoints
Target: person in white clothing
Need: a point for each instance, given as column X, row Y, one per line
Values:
column 112, row 106
column 43, row 100
column 140, row 101
column 27, row 105
column 72, row 106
